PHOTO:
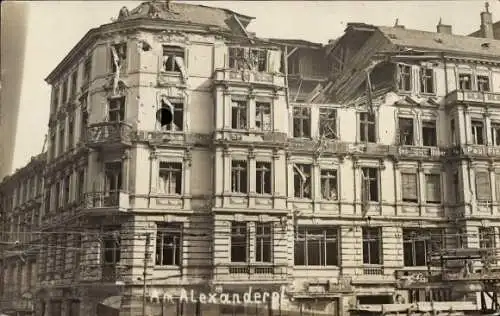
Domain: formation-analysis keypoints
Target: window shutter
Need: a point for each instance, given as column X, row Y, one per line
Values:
column 483, row 192
column 433, row 187
column 409, row 183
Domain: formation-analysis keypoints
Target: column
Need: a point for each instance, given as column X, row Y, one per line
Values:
column 289, row 171
column 421, row 188
column 355, row 168
column 187, row 179
column 487, row 126
column 252, row 165
column 226, row 109
column 316, row 183
column 251, row 111
column 125, row 170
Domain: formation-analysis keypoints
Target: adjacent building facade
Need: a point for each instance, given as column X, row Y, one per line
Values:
column 321, row 172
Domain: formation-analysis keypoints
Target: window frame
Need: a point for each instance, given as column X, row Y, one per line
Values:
column 239, row 230
column 169, row 54
column 368, row 240
column 405, row 83
column 163, row 231
column 403, row 120
column 261, row 238
column 327, row 118
column 326, row 176
column 264, row 169
column 484, row 197
column 439, row 194
column 413, row 196
column 306, row 169
column 483, row 81
column 239, row 176
column 301, row 115
column 375, row 180
column 261, row 108
column 174, row 168
column 239, row 114
column 475, row 124
column 424, row 77
column 461, row 81
column 430, row 124
column 302, row 234
column 364, row 126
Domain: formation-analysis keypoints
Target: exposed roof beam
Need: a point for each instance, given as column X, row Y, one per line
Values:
column 291, row 52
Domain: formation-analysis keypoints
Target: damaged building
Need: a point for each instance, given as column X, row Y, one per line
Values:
column 327, row 173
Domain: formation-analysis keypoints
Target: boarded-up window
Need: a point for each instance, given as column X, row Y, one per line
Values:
column 483, row 189
column 410, row 187
column 433, row 188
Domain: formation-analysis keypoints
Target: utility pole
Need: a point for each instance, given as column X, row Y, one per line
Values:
column 145, row 272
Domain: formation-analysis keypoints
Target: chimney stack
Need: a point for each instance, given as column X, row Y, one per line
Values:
column 486, row 22
column 443, row 28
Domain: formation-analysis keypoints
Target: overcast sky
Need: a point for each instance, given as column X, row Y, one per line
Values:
column 56, row 26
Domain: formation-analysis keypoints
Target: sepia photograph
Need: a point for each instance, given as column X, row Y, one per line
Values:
column 262, row 158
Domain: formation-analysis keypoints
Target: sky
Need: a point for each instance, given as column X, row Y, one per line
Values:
column 54, row 27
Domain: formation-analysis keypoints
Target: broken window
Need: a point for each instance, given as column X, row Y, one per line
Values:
column 237, row 58
column 239, row 176
column 65, row 92
column 118, row 56
column 372, row 245
column 465, row 81
column 487, row 237
column 62, row 135
column 328, row 123
column 66, row 192
column 71, row 131
column 433, row 188
column 418, row 243
column 263, row 116
column 55, row 99
column 116, row 109
column 239, row 242
column 74, row 82
column 302, row 181
column 239, row 114
column 258, row 59
column 80, row 185
column 87, row 70
column 483, row 187
column 263, row 242
column 369, row 184
column 302, row 122
column 263, row 177
column 477, row 132
column 168, row 244
column 404, row 82
column 170, row 178
column 426, row 80
column 329, row 184
column 406, row 131
column 495, row 133
column 409, row 183
column 177, row 124
column 367, row 127
column 429, row 135
column 173, row 59
column 453, row 132
column 316, row 246
column 483, row 83
column 113, row 177
column 111, row 247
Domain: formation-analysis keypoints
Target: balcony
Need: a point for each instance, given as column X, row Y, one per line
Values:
column 106, row 200
column 106, row 273
column 250, row 273
column 268, row 138
column 372, row 274
column 478, row 97
column 263, row 79
column 109, row 134
column 421, row 152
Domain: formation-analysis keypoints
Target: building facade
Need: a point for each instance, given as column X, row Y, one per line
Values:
column 321, row 172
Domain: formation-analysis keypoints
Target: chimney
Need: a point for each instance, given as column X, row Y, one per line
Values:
column 486, row 22
column 397, row 25
column 443, row 28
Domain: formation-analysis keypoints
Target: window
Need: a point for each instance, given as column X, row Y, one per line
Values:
column 177, row 124
column 263, row 116
column 239, row 114
column 66, row 192
column 409, row 183
column 263, row 177
column 263, row 242
column 433, row 188
column 247, row 58
column 301, row 122
column 84, row 121
column 404, row 82
column 483, row 188
column 483, row 83
column 453, row 132
column 173, row 59
column 80, row 185
column 71, row 131
column 169, row 244
column 406, row 131
column 429, row 135
column 170, row 178
column 487, row 237
column 239, row 176
column 417, row 243
column 302, row 181
column 117, row 109
column 87, row 70
column 367, row 127
column 316, row 246
column 65, row 92
column 55, row 99
column 118, row 56
column 258, row 59
column 427, row 80
column 113, row 176
column 329, row 185
column 239, row 242
column 372, row 245
column 111, row 247
column 495, row 133
column 57, row 195
column 61, row 137
column 477, row 132
column 237, row 58
column 456, row 187
column 369, row 185
column 74, row 82
column 465, row 81
column 328, row 123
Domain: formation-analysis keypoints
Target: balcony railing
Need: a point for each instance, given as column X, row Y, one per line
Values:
column 108, row 133
column 461, row 96
column 106, row 199
column 106, row 273
column 265, row 78
column 421, row 152
column 250, row 272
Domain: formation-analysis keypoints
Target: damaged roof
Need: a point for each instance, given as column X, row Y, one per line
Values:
column 296, row 42
column 434, row 41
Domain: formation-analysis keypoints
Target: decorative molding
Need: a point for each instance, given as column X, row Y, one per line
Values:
column 172, row 38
